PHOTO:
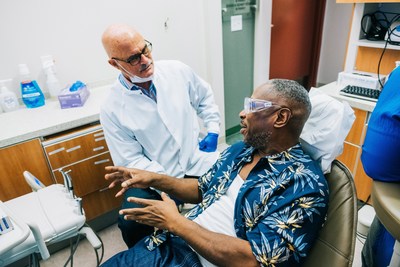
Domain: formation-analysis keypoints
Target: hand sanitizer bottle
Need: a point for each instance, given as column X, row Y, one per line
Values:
column 32, row 95
column 8, row 99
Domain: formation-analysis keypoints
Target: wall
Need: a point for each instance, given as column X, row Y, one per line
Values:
column 70, row 31
column 334, row 41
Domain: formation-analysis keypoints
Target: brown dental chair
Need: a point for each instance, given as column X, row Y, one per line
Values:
column 336, row 240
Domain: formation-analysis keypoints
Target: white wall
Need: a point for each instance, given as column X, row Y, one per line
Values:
column 334, row 41
column 71, row 32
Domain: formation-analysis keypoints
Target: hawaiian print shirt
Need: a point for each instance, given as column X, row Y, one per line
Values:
column 280, row 207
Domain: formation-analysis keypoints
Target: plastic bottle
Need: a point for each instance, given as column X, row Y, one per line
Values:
column 53, row 85
column 32, row 95
column 8, row 99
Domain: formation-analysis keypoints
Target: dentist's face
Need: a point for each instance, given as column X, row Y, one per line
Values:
column 132, row 57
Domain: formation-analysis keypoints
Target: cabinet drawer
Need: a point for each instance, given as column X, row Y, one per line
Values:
column 99, row 202
column 87, row 175
column 76, row 148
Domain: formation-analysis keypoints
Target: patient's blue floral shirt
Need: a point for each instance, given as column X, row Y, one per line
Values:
column 280, row 207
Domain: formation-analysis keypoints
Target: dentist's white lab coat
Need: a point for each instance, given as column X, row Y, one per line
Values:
column 161, row 137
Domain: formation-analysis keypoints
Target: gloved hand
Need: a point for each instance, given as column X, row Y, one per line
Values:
column 209, row 143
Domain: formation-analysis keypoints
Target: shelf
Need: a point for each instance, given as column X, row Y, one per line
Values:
column 377, row 44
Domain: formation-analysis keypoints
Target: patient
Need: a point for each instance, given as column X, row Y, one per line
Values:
column 263, row 201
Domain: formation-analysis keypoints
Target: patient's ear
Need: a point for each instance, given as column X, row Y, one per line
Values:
column 283, row 117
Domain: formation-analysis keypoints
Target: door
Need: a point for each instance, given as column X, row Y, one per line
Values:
column 296, row 39
column 238, row 46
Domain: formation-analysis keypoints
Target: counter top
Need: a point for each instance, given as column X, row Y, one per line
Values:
column 333, row 89
column 25, row 124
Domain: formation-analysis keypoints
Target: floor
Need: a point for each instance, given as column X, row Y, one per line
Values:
column 85, row 255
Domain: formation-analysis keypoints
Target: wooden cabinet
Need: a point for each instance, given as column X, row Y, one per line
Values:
column 367, row 55
column 352, row 153
column 84, row 153
column 15, row 159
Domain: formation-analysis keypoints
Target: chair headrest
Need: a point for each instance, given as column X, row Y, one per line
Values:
column 324, row 133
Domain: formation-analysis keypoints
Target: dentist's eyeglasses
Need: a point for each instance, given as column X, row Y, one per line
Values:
column 135, row 59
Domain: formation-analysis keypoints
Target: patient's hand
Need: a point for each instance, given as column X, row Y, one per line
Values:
column 128, row 177
column 162, row 214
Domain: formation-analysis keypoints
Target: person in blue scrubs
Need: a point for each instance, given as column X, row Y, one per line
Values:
column 381, row 162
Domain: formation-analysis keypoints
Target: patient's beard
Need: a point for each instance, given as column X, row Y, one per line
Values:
column 259, row 140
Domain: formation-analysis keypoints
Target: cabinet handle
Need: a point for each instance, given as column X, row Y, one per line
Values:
column 104, row 189
column 98, row 134
column 73, row 148
column 101, row 161
column 98, row 148
column 99, row 139
column 56, row 151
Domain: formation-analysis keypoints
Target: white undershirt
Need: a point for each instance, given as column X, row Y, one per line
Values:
column 219, row 216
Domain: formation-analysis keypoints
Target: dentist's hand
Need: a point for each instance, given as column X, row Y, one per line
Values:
column 209, row 143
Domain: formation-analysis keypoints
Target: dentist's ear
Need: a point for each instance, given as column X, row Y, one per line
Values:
column 113, row 63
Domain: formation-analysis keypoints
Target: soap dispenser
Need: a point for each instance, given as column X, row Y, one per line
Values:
column 8, row 99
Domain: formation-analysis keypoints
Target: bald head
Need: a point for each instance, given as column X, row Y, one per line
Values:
column 118, row 38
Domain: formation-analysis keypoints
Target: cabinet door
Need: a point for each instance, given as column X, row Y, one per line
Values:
column 16, row 159
column 349, row 157
column 357, row 131
column 100, row 202
column 88, row 174
column 74, row 149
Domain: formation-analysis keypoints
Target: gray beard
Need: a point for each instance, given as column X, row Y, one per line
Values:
column 259, row 141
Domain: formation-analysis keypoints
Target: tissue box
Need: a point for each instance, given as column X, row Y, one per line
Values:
column 73, row 99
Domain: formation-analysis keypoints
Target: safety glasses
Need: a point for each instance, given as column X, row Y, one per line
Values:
column 254, row 105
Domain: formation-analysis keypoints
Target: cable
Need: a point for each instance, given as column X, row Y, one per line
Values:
column 73, row 250
column 96, row 250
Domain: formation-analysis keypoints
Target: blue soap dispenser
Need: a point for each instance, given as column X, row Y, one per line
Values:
column 32, row 95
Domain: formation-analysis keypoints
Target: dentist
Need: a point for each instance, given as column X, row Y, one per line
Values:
column 150, row 117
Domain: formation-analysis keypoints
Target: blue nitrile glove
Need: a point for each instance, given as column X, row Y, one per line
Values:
column 209, row 143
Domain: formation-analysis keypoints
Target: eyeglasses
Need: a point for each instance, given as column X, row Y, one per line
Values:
column 135, row 59
column 254, row 105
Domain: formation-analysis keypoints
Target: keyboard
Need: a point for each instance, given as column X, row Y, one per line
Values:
column 361, row 92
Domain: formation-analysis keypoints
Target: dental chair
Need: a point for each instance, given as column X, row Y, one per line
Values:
column 44, row 217
column 336, row 240
column 386, row 201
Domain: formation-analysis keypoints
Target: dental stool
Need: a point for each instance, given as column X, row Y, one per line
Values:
column 46, row 216
column 386, row 201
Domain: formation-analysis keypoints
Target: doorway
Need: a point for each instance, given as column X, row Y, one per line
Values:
column 296, row 35
column 238, row 51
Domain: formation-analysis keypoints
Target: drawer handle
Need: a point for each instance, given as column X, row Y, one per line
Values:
column 98, row 148
column 101, row 161
column 73, row 148
column 98, row 134
column 99, row 139
column 56, row 151
column 104, row 189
